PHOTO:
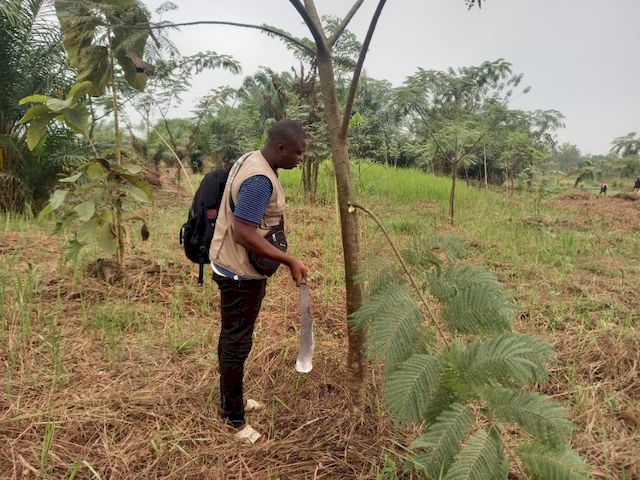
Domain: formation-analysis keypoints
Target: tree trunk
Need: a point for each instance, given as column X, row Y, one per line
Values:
column 348, row 222
column 486, row 182
column 148, row 148
column 116, row 126
column 454, row 173
column 315, row 168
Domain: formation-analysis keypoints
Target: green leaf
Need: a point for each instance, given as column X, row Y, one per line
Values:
column 95, row 171
column 106, row 240
column 536, row 414
column 132, row 168
column 57, row 105
column 478, row 459
column 86, row 232
column 442, row 441
column 73, row 249
column 509, row 360
column 67, row 217
column 85, row 210
column 106, row 217
column 543, row 462
column 45, row 212
column 37, row 128
column 57, row 199
column 392, row 316
column 139, row 184
column 71, row 179
column 139, row 194
column 33, row 112
column 409, row 389
column 79, row 90
column 478, row 309
column 446, row 284
column 33, row 99
column 77, row 118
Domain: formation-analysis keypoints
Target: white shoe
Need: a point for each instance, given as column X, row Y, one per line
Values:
column 247, row 435
column 251, row 405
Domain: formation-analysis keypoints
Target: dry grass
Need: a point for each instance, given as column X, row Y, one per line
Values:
column 136, row 398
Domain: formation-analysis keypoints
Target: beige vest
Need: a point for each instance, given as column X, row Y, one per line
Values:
column 224, row 250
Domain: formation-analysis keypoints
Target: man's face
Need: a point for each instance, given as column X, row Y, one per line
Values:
column 292, row 154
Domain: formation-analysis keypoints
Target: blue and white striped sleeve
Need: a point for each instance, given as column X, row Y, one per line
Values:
column 253, row 199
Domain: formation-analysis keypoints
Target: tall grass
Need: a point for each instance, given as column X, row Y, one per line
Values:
column 399, row 185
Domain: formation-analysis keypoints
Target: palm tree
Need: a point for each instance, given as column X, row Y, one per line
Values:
column 33, row 60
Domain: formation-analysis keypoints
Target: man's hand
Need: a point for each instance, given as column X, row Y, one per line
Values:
column 299, row 271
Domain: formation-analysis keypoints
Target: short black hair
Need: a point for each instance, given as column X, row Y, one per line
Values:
column 286, row 132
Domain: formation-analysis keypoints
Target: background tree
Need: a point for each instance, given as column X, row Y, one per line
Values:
column 449, row 110
column 567, row 158
column 628, row 144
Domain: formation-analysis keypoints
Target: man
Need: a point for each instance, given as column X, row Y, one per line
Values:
column 636, row 185
column 603, row 189
column 253, row 203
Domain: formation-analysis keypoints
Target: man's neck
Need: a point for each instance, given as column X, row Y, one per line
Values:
column 268, row 157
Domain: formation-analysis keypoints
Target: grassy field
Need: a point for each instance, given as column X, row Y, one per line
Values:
column 106, row 376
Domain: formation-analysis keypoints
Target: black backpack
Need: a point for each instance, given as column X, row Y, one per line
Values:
column 196, row 234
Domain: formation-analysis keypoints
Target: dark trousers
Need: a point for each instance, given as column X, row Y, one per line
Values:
column 240, row 302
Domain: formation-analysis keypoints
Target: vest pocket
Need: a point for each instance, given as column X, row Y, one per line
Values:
column 277, row 238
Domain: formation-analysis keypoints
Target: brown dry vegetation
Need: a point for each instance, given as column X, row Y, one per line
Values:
column 122, row 375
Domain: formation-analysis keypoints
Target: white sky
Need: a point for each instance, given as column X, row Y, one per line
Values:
column 581, row 57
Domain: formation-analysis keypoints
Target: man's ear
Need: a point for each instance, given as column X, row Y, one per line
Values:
column 280, row 147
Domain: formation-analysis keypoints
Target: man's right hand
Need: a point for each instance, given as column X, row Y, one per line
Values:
column 299, row 271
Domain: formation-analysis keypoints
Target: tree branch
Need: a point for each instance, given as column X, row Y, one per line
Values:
column 374, row 217
column 356, row 73
column 313, row 14
column 316, row 30
column 334, row 38
column 426, row 124
column 264, row 28
column 472, row 146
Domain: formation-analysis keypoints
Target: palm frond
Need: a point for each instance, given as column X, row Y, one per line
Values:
column 536, row 414
column 543, row 462
column 479, row 458
column 509, row 360
column 411, row 386
column 442, row 441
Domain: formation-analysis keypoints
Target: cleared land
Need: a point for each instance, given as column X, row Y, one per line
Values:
column 117, row 378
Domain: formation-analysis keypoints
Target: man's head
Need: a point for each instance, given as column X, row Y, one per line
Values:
column 286, row 144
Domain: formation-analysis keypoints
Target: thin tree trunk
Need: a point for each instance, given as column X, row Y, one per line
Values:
column 486, row 182
column 148, row 149
column 348, row 223
column 452, row 195
column 116, row 126
column 315, row 168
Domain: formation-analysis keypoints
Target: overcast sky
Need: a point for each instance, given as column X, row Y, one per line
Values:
column 580, row 57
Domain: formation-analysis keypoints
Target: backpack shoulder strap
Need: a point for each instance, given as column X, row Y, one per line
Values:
column 232, row 176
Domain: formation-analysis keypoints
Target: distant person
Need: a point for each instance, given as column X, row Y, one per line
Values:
column 603, row 189
column 636, row 185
